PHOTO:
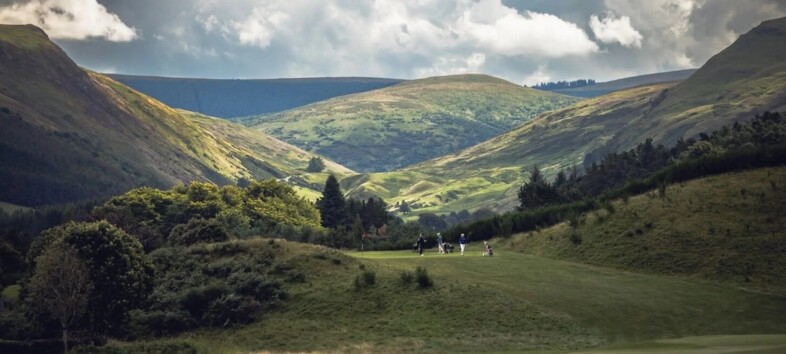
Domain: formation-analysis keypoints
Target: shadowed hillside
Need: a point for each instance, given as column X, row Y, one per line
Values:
column 69, row 134
column 410, row 122
column 237, row 98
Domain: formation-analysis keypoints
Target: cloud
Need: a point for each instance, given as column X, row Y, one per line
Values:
column 539, row 76
column 516, row 39
column 508, row 32
column 615, row 29
column 446, row 65
column 431, row 36
column 69, row 19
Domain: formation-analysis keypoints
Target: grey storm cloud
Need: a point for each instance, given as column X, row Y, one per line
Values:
column 522, row 41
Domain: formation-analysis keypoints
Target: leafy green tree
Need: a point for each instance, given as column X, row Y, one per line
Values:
column 121, row 273
column 332, row 205
column 432, row 222
column 61, row 286
column 316, row 164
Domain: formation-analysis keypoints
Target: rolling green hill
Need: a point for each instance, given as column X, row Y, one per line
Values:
column 727, row 228
column 70, row 134
column 410, row 122
column 747, row 77
column 236, row 98
column 489, row 174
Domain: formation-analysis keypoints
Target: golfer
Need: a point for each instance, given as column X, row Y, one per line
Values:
column 462, row 243
column 421, row 244
column 440, row 244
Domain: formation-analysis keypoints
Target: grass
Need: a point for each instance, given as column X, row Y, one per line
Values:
column 512, row 302
column 724, row 228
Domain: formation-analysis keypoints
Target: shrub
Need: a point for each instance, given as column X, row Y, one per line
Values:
column 575, row 238
column 424, row 281
column 366, row 279
column 198, row 231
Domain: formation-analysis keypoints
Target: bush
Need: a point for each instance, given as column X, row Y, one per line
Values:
column 575, row 238
column 198, row 231
column 366, row 279
column 424, row 281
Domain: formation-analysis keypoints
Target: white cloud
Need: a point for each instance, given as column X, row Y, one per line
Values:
column 445, row 65
column 435, row 36
column 259, row 28
column 508, row 32
column 539, row 76
column 69, row 19
column 615, row 29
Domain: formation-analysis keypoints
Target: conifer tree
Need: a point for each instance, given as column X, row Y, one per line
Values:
column 332, row 205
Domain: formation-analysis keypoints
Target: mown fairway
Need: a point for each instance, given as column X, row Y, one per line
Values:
column 621, row 307
column 512, row 302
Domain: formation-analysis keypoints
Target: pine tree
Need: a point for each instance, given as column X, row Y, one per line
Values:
column 332, row 205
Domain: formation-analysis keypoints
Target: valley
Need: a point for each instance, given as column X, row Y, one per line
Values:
column 326, row 213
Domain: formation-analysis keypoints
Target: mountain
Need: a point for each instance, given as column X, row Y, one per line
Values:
column 489, row 174
column 70, row 134
column 236, row 98
column 410, row 122
column 603, row 88
column 747, row 77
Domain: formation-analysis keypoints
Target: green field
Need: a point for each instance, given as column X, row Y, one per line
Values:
column 512, row 302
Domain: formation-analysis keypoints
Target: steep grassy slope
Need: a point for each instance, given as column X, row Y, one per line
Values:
column 410, row 122
column 746, row 78
column 603, row 88
column 69, row 134
column 236, row 98
column 728, row 228
column 511, row 302
column 489, row 174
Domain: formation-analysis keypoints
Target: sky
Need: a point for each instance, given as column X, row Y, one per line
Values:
column 525, row 42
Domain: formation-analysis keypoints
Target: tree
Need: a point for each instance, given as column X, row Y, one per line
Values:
column 316, row 164
column 332, row 204
column 120, row 271
column 537, row 191
column 61, row 286
column 432, row 222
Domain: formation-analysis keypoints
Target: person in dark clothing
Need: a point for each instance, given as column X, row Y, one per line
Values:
column 421, row 244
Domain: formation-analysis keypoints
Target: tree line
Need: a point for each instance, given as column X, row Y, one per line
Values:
column 737, row 146
column 556, row 85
